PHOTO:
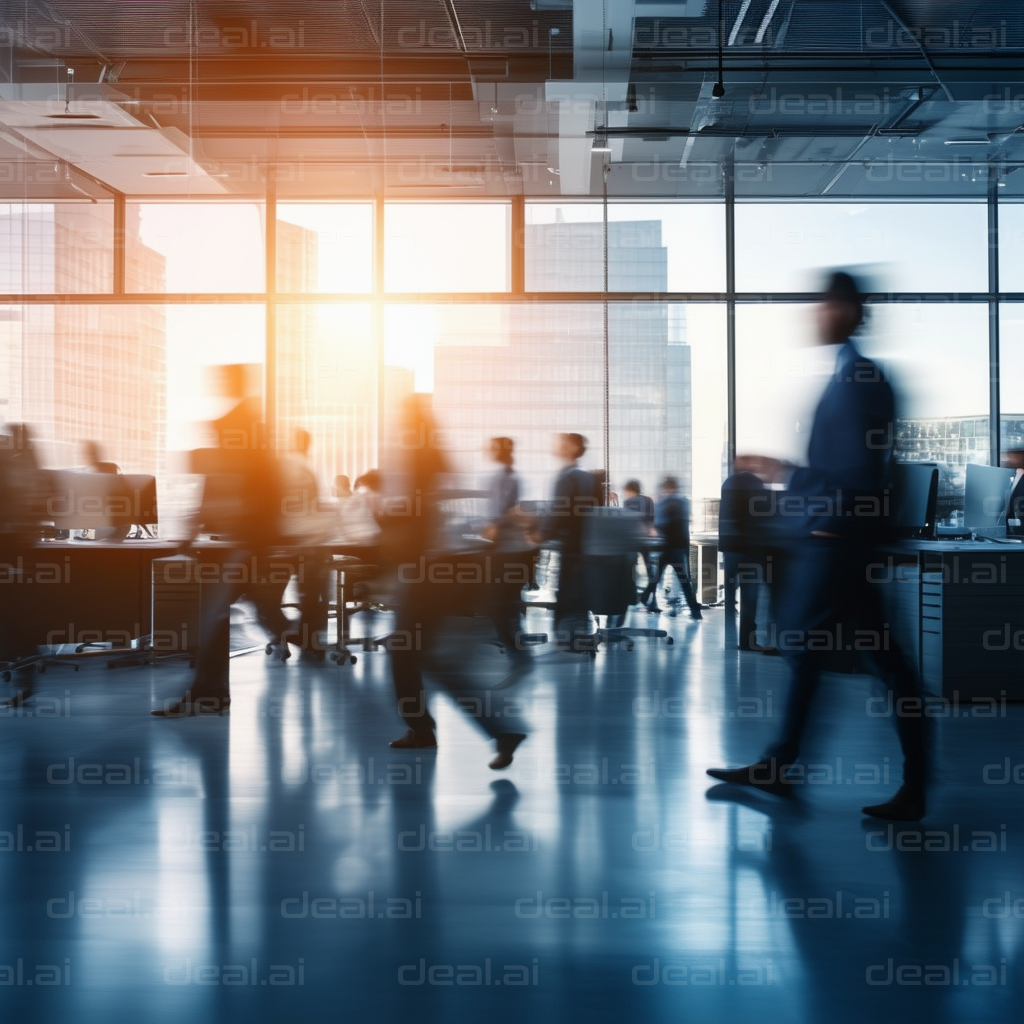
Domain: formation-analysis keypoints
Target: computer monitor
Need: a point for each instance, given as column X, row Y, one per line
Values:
column 985, row 499
column 915, row 490
column 98, row 501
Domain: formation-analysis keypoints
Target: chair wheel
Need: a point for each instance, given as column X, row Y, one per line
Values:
column 268, row 650
column 629, row 647
column 352, row 660
column 76, row 667
column 670, row 642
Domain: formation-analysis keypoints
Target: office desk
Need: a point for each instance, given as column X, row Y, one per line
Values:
column 957, row 609
column 63, row 592
column 75, row 592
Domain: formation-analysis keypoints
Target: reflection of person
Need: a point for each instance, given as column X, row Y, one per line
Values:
column 246, row 461
column 826, row 547
column 573, row 494
column 428, row 597
column 672, row 521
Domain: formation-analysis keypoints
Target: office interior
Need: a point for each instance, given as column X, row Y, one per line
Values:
column 535, row 220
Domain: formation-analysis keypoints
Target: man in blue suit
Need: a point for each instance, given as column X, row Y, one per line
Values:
column 826, row 526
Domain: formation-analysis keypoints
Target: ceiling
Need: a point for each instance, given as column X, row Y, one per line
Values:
column 483, row 98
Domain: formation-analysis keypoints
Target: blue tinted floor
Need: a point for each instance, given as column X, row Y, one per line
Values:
column 282, row 864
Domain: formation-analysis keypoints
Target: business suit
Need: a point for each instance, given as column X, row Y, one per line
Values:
column 573, row 494
column 645, row 506
column 745, row 557
column 1015, row 509
column 672, row 521
column 826, row 526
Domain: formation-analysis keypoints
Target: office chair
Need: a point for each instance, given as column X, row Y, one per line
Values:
column 611, row 542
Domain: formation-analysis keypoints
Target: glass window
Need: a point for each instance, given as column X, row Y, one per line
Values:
column 447, row 247
column 1011, row 247
column 56, row 247
column 324, row 247
column 934, row 354
column 528, row 372
column 1011, row 375
column 194, row 247
column 933, row 247
column 653, row 247
column 87, row 372
column 327, row 384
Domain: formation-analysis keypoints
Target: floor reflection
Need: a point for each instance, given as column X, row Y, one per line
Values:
column 284, row 862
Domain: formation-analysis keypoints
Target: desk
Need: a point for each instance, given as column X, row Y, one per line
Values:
column 74, row 592
column 64, row 592
column 957, row 609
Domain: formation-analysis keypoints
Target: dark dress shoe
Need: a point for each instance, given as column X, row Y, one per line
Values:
column 413, row 740
column 507, row 743
column 761, row 776
column 907, row 805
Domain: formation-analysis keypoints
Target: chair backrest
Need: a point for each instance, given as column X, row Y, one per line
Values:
column 612, row 531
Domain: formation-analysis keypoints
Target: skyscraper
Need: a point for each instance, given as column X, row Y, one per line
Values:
column 82, row 371
column 326, row 368
column 540, row 369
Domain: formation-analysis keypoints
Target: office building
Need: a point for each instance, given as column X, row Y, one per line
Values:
column 541, row 369
column 423, row 753
column 80, row 371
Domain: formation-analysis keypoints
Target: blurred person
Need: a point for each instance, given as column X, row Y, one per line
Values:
column 1014, row 460
column 20, row 442
column 513, row 554
column 246, row 468
column 92, row 459
column 23, row 494
column 672, row 521
column 428, row 593
column 636, row 501
column 573, row 495
column 303, row 521
column 602, row 493
column 826, row 540
column 357, row 523
column 745, row 555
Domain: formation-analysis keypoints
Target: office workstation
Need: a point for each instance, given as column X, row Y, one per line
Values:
column 512, row 511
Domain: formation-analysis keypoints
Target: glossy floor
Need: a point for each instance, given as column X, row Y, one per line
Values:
column 283, row 864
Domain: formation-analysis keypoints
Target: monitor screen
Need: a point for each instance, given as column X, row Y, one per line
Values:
column 985, row 497
column 915, row 489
